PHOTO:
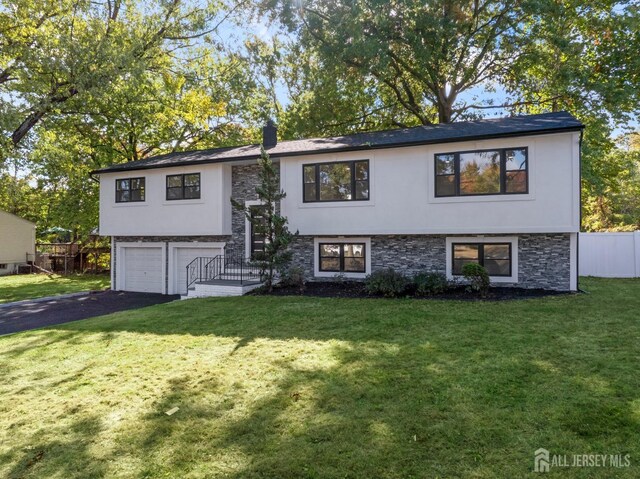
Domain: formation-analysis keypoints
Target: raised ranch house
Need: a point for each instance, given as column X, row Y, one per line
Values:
column 17, row 242
column 501, row 192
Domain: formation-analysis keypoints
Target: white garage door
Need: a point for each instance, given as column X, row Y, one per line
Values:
column 184, row 256
column 143, row 269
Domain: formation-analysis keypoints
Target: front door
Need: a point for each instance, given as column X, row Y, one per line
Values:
column 257, row 238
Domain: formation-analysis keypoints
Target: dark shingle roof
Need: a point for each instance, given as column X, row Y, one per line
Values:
column 419, row 135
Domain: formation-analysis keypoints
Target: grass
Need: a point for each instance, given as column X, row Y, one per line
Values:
column 30, row 286
column 324, row 388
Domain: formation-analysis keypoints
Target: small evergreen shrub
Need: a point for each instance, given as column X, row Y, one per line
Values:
column 428, row 284
column 478, row 278
column 294, row 277
column 386, row 282
column 339, row 278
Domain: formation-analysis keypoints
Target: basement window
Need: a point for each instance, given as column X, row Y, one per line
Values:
column 495, row 257
column 342, row 257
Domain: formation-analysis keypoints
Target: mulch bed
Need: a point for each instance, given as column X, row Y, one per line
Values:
column 356, row 289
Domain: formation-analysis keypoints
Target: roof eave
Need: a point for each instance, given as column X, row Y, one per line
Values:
column 567, row 129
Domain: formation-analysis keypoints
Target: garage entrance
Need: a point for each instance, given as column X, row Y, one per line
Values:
column 140, row 269
column 180, row 255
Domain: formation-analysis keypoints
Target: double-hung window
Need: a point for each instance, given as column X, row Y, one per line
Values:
column 499, row 171
column 129, row 190
column 183, row 187
column 342, row 257
column 495, row 257
column 336, row 181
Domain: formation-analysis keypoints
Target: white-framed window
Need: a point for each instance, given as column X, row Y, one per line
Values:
column 183, row 186
column 345, row 256
column 498, row 254
column 335, row 181
column 499, row 171
column 130, row 190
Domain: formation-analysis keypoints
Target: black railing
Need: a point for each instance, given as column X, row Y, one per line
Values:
column 196, row 270
column 229, row 267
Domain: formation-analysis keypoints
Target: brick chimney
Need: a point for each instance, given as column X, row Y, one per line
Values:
column 269, row 135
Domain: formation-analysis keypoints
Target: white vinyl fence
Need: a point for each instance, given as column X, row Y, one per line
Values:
column 610, row 255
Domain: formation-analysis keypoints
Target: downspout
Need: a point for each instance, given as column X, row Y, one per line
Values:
column 579, row 210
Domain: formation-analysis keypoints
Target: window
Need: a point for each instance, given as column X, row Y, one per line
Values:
column 336, row 181
column 183, row 187
column 3, row 265
column 342, row 257
column 482, row 172
column 129, row 190
column 495, row 257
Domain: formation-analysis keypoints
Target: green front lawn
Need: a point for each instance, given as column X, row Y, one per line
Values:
column 30, row 286
column 276, row 387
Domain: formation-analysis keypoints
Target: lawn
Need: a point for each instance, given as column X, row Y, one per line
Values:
column 29, row 286
column 287, row 387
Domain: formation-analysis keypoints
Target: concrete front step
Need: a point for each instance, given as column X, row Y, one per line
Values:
column 220, row 288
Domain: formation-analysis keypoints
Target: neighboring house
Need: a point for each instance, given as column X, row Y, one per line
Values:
column 17, row 242
column 501, row 192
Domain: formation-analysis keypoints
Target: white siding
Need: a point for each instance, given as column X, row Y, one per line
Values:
column 402, row 196
column 209, row 215
column 17, row 239
column 402, row 193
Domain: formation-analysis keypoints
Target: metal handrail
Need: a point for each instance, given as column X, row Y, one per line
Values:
column 236, row 266
column 195, row 270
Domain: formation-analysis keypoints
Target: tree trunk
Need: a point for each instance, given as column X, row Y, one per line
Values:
column 445, row 104
column 34, row 117
column 444, row 113
column 26, row 126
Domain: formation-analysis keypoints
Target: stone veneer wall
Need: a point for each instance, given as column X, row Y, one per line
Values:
column 409, row 254
column 543, row 259
column 244, row 180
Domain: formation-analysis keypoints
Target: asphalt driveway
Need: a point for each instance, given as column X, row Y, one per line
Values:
column 38, row 313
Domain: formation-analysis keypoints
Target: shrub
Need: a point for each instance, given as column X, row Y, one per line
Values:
column 478, row 278
column 294, row 277
column 428, row 284
column 387, row 282
column 339, row 278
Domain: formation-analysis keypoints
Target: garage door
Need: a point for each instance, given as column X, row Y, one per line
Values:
column 143, row 270
column 184, row 256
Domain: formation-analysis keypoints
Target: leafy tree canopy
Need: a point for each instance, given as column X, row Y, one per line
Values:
column 87, row 83
column 372, row 64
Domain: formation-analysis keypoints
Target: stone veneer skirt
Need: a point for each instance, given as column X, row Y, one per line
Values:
column 543, row 259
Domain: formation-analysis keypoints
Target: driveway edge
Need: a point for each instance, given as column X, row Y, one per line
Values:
column 48, row 298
